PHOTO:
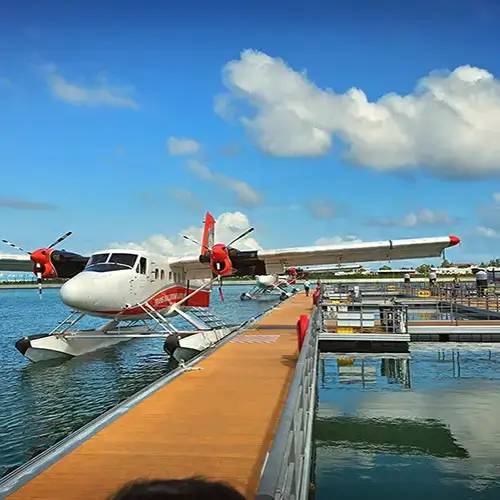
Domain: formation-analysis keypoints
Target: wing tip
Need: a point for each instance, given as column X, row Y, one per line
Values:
column 454, row 240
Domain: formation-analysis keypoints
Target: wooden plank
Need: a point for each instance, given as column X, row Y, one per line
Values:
column 218, row 422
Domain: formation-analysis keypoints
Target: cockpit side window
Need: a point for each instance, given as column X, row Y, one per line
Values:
column 142, row 265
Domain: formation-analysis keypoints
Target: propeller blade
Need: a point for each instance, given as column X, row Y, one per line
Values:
column 192, row 240
column 13, row 245
column 221, row 293
column 62, row 238
column 39, row 280
column 242, row 235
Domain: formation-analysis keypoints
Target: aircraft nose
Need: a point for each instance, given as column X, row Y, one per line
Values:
column 73, row 294
column 94, row 292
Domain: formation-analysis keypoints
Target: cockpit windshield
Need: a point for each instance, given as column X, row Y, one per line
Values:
column 104, row 262
column 123, row 259
column 97, row 258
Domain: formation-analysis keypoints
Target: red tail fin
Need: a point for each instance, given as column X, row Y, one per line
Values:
column 208, row 233
column 208, row 238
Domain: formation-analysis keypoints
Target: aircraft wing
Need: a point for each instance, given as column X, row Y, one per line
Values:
column 18, row 263
column 276, row 261
column 330, row 267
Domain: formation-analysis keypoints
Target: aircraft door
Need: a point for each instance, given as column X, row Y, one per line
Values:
column 154, row 272
column 140, row 280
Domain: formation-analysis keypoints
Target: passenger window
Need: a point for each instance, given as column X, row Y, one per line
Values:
column 142, row 265
column 156, row 274
column 170, row 276
column 162, row 274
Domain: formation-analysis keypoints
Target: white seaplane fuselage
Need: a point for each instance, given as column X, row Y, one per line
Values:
column 117, row 284
column 266, row 281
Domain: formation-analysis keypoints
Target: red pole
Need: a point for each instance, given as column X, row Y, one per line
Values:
column 302, row 324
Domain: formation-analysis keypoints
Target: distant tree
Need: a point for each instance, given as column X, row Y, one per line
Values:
column 385, row 268
column 423, row 269
column 446, row 263
column 491, row 263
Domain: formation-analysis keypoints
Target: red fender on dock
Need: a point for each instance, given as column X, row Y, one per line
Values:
column 302, row 324
column 315, row 297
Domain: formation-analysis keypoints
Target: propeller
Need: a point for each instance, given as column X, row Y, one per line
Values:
column 219, row 257
column 40, row 258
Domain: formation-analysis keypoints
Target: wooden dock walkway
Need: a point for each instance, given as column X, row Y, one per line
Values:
column 218, row 422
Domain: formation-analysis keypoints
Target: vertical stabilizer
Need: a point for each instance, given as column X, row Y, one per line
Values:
column 208, row 233
column 208, row 239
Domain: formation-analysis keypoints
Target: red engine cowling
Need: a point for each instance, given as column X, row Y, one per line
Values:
column 42, row 263
column 220, row 262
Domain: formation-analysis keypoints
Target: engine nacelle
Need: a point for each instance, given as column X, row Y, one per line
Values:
column 241, row 262
column 57, row 264
column 220, row 262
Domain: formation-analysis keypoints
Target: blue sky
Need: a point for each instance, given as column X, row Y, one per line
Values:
column 91, row 92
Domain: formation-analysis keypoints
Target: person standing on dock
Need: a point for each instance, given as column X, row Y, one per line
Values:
column 456, row 286
column 481, row 281
column 307, row 286
column 432, row 279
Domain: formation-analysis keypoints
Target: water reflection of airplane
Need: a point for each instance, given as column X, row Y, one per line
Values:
column 442, row 418
column 429, row 437
column 361, row 369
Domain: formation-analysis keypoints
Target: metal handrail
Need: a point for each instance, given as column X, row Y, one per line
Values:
column 287, row 469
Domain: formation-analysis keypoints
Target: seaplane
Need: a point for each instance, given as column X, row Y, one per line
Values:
column 282, row 287
column 139, row 293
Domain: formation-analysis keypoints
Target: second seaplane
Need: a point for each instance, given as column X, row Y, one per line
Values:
column 139, row 292
column 282, row 287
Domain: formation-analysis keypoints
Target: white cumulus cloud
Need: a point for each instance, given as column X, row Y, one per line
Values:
column 229, row 225
column 487, row 232
column 100, row 94
column 246, row 195
column 447, row 125
column 424, row 217
column 338, row 240
column 186, row 197
column 181, row 146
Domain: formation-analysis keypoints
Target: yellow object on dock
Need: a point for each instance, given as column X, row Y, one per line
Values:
column 345, row 329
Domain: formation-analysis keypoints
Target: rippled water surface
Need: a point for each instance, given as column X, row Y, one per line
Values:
column 424, row 427
column 41, row 404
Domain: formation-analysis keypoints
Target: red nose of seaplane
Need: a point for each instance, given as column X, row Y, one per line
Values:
column 43, row 266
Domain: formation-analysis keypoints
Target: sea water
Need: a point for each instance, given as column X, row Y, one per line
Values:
column 41, row 404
